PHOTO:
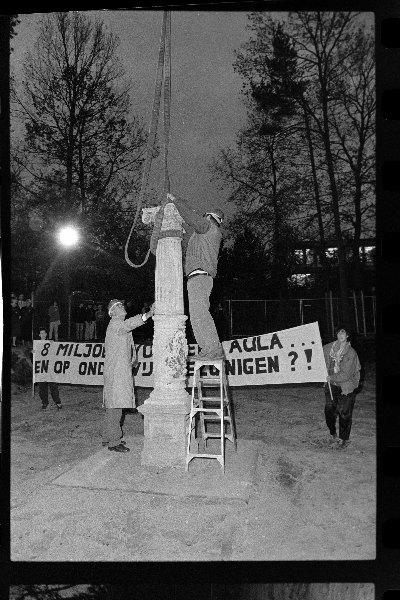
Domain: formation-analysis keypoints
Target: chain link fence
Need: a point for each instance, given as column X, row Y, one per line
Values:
column 244, row 318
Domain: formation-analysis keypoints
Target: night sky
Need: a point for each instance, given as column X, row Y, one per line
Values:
column 206, row 107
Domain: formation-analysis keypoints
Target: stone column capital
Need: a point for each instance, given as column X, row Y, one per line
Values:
column 172, row 219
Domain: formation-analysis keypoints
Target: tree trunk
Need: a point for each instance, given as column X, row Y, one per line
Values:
column 335, row 208
column 357, row 228
column 322, row 253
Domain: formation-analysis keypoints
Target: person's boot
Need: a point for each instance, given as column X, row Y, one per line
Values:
column 119, row 448
column 123, row 442
column 342, row 444
column 333, row 440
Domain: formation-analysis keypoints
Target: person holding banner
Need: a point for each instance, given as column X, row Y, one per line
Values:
column 118, row 391
column 44, row 385
column 201, row 263
column 343, row 378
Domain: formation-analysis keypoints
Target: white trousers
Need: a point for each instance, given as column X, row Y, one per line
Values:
column 204, row 330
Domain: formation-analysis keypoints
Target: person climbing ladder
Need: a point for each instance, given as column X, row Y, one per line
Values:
column 201, row 262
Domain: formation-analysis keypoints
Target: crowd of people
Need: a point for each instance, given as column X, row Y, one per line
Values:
column 90, row 321
column 21, row 320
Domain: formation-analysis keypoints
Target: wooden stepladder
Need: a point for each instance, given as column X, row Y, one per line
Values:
column 206, row 409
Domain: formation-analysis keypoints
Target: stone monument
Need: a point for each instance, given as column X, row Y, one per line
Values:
column 167, row 408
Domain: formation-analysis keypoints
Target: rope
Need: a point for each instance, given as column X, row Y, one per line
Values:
column 164, row 56
column 167, row 100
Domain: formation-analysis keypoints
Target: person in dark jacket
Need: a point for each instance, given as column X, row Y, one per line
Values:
column 55, row 322
column 343, row 378
column 100, row 316
column 44, row 386
column 21, row 301
column 27, row 322
column 79, row 317
column 201, row 261
column 15, row 321
column 90, row 322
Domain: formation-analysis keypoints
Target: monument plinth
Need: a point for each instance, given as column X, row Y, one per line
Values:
column 165, row 411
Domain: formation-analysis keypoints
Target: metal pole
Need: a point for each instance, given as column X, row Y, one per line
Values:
column 326, row 312
column 331, row 307
column 69, row 317
column 355, row 309
column 66, row 287
column 230, row 318
column 363, row 311
column 373, row 312
column 301, row 311
column 265, row 316
column 33, row 358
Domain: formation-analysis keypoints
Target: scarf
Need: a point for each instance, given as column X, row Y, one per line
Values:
column 337, row 353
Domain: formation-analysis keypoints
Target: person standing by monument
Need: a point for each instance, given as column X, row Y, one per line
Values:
column 45, row 386
column 118, row 391
column 201, row 261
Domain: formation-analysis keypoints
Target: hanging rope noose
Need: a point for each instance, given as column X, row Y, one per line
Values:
column 163, row 54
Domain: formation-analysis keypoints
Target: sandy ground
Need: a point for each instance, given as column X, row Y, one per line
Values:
column 306, row 501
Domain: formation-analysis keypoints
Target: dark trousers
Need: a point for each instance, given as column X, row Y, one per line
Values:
column 112, row 430
column 44, row 392
column 341, row 405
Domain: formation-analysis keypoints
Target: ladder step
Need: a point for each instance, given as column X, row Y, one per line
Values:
column 194, row 411
column 211, row 418
column 204, row 455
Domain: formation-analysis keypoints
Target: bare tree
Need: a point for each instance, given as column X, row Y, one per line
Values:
column 312, row 78
column 324, row 42
column 75, row 108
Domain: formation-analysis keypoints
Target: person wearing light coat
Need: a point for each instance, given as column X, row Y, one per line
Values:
column 120, row 354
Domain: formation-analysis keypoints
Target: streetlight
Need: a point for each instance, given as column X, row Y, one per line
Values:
column 68, row 237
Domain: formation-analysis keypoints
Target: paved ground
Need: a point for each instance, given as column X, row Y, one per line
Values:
column 286, row 494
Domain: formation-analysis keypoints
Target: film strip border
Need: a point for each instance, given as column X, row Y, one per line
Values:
column 388, row 301
column 386, row 569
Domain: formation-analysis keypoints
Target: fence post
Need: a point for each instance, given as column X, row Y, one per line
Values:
column 331, row 307
column 363, row 311
column 373, row 312
column 355, row 309
column 230, row 319
column 326, row 312
column 265, row 316
column 69, row 317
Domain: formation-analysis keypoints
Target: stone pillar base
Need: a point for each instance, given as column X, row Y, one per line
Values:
column 165, row 431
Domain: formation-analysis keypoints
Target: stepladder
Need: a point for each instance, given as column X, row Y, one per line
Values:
column 211, row 414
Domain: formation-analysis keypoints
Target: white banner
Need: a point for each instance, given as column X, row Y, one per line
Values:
column 289, row 356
